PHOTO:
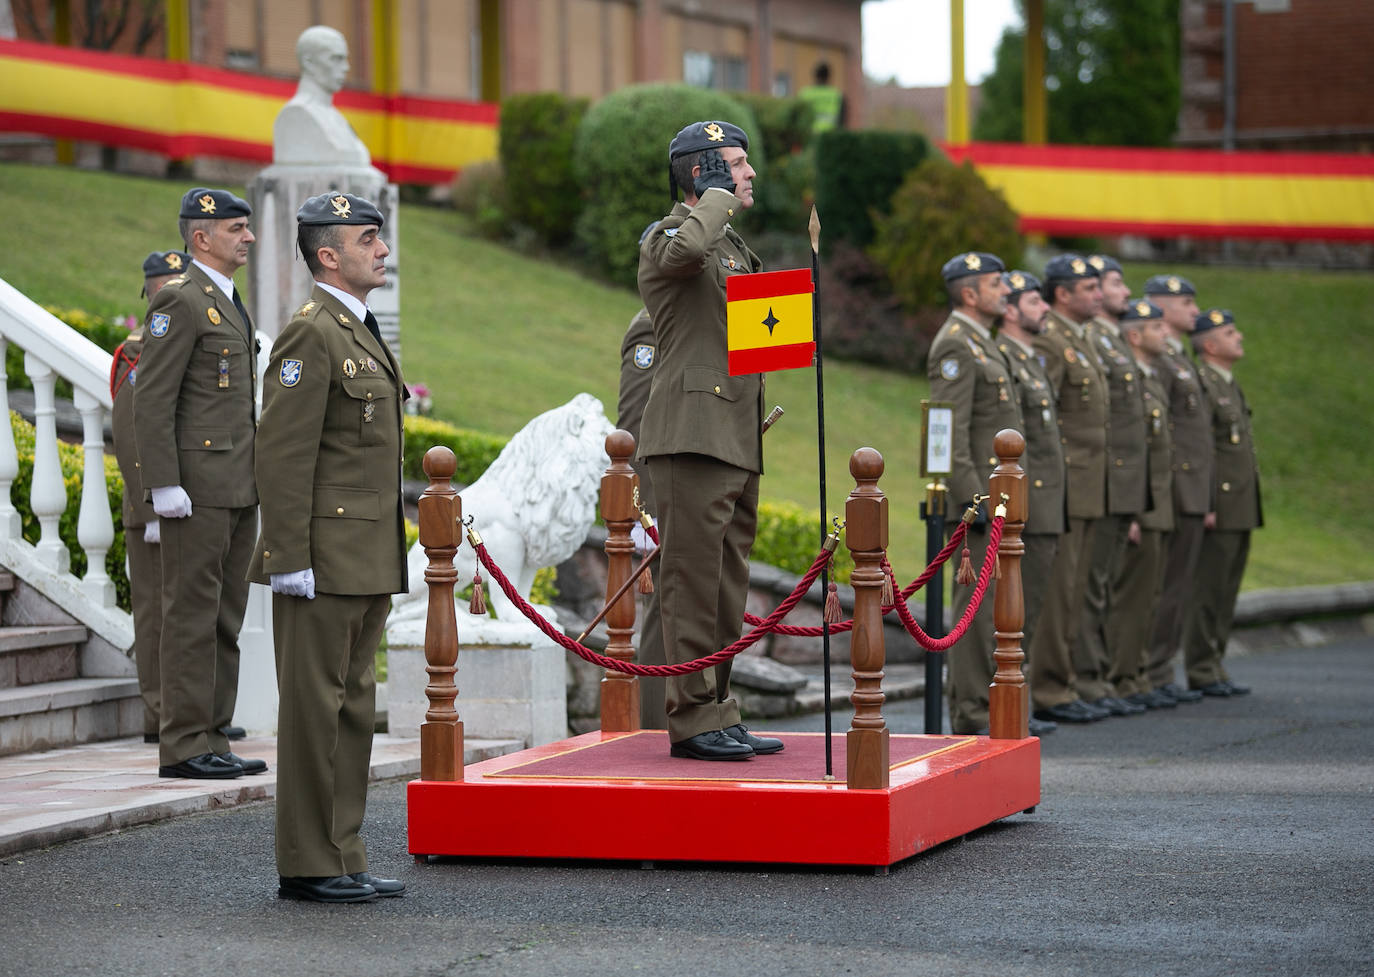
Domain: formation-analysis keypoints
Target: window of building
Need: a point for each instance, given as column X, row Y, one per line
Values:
column 782, row 85
column 721, row 71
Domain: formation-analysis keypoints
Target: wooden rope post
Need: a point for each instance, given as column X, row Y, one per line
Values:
column 619, row 691
column 1009, row 696
column 441, row 515
column 865, row 514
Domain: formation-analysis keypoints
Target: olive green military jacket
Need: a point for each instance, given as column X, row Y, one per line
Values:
column 694, row 405
column 1128, row 483
column 1081, row 397
column 638, row 358
column 329, row 456
column 1160, row 515
column 136, row 510
column 1044, row 456
column 1237, row 492
column 966, row 369
column 1190, row 433
column 193, row 402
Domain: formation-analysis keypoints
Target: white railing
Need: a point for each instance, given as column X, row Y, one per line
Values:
column 52, row 349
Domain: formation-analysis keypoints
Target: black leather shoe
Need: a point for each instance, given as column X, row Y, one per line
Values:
column 1179, row 694
column 151, row 738
column 249, row 766
column 1238, row 689
column 1040, row 727
column 340, row 888
column 759, row 744
column 1076, row 711
column 1156, row 699
column 712, row 745
column 385, row 887
column 1219, row 690
column 1118, row 707
column 1093, row 709
column 233, row 732
column 207, row 766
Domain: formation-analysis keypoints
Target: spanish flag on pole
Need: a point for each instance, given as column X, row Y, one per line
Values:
column 768, row 321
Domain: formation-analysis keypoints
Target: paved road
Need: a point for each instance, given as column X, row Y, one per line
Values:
column 1229, row 837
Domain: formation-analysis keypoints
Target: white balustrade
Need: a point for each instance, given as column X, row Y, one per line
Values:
column 94, row 524
column 48, row 493
column 10, row 524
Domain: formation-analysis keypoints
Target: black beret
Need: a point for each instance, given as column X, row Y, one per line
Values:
column 971, row 263
column 1105, row 263
column 1068, row 268
column 165, row 263
column 205, row 204
column 1021, row 281
column 706, row 135
column 1211, row 319
column 1141, row 309
column 338, row 208
column 1169, row 285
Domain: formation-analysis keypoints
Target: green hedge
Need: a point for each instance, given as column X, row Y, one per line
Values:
column 537, row 133
column 474, row 451
column 621, row 161
column 73, row 462
column 856, row 174
column 788, row 538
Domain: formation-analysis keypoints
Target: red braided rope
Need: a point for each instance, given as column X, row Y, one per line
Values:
column 985, row 575
column 630, row 668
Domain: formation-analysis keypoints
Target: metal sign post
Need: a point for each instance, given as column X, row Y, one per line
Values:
column 937, row 460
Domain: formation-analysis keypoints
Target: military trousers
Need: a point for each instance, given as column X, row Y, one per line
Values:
column 653, row 712
column 1175, row 597
column 145, row 597
column 1219, row 570
column 326, row 651
column 1093, row 653
column 205, row 557
column 970, row 666
column 1134, row 596
column 708, row 514
column 1037, row 565
column 1052, row 677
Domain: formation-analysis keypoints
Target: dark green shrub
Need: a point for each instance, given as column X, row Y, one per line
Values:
column 862, row 320
column 537, row 133
column 784, row 123
column 474, row 451
column 856, row 174
column 789, row 537
column 479, row 190
column 621, row 160
column 941, row 210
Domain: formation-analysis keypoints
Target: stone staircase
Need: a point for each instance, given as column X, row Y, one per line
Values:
column 46, row 700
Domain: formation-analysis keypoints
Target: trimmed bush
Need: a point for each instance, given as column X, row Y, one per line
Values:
column 863, row 320
column 474, row 451
column 784, row 123
column 479, row 190
column 621, row 161
column 941, row 210
column 537, row 134
column 856, row 174
column 789, row 538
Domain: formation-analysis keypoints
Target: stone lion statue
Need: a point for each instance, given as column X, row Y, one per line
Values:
column 532, row 507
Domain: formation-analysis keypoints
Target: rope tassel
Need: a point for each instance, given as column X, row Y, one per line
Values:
column 832, row 613
column 965, row 575
column 646, row 582
column 478, row 603
column 889, row 596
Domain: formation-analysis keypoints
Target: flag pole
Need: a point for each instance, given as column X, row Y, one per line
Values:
column 815, row 228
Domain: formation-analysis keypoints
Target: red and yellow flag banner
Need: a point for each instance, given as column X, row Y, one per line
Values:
column 768, row 321
column 181, row 109
column 1174, row 192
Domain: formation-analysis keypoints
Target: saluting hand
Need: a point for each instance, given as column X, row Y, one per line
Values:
column 713, row 172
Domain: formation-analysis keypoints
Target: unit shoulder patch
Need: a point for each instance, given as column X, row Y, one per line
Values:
column 644, row 356
column 291, row 372
column 159, row 324
column 949, row 368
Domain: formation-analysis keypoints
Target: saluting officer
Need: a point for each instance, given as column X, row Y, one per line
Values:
column 1127, row 488
column 1236, row 508
column 332, row 546
column 966, row 369
column 140, row 522
column 193, row 425
column 702, row 435
column 1190, row 443
column 1135, row 590
column 1074, row 292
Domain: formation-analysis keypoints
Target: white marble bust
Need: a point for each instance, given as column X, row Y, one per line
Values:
column 309, row 129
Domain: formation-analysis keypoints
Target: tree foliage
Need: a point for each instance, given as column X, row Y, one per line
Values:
column 1111, row 70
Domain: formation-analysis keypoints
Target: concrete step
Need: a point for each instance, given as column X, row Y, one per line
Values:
column 68, row 712
column 33, row 654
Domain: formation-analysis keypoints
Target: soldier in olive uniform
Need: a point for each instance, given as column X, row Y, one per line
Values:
column 1135, row 590
column 1074, row 291
column 1236, row 508
column 140, row 523
column 1127, row 489
column 1044, row 456
column 193, row 425
column 967, row 370
column 1190, row 438
column 702, row 435
column 332, row 546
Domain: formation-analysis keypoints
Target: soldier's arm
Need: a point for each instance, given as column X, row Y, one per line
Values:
column 952, row 379
column 288, row 443
column 1054, row 361
column 161, row 369
column 681, row 251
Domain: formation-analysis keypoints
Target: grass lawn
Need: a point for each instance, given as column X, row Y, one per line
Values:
column 499, row 337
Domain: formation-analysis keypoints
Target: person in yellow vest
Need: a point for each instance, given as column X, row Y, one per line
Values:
column 827, row 102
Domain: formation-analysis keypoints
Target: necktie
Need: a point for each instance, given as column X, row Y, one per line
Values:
column 370, row 321
column 243, row 314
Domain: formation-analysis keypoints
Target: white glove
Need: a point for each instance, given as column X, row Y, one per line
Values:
column 298, row 583
column 152, row 532
column 640, row 537
column 171, row 502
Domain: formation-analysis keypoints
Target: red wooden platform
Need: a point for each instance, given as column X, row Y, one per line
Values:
column 621, row 796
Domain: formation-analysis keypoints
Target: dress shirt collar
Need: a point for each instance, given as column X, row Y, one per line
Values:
column 350, row 302
column 224, row 282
